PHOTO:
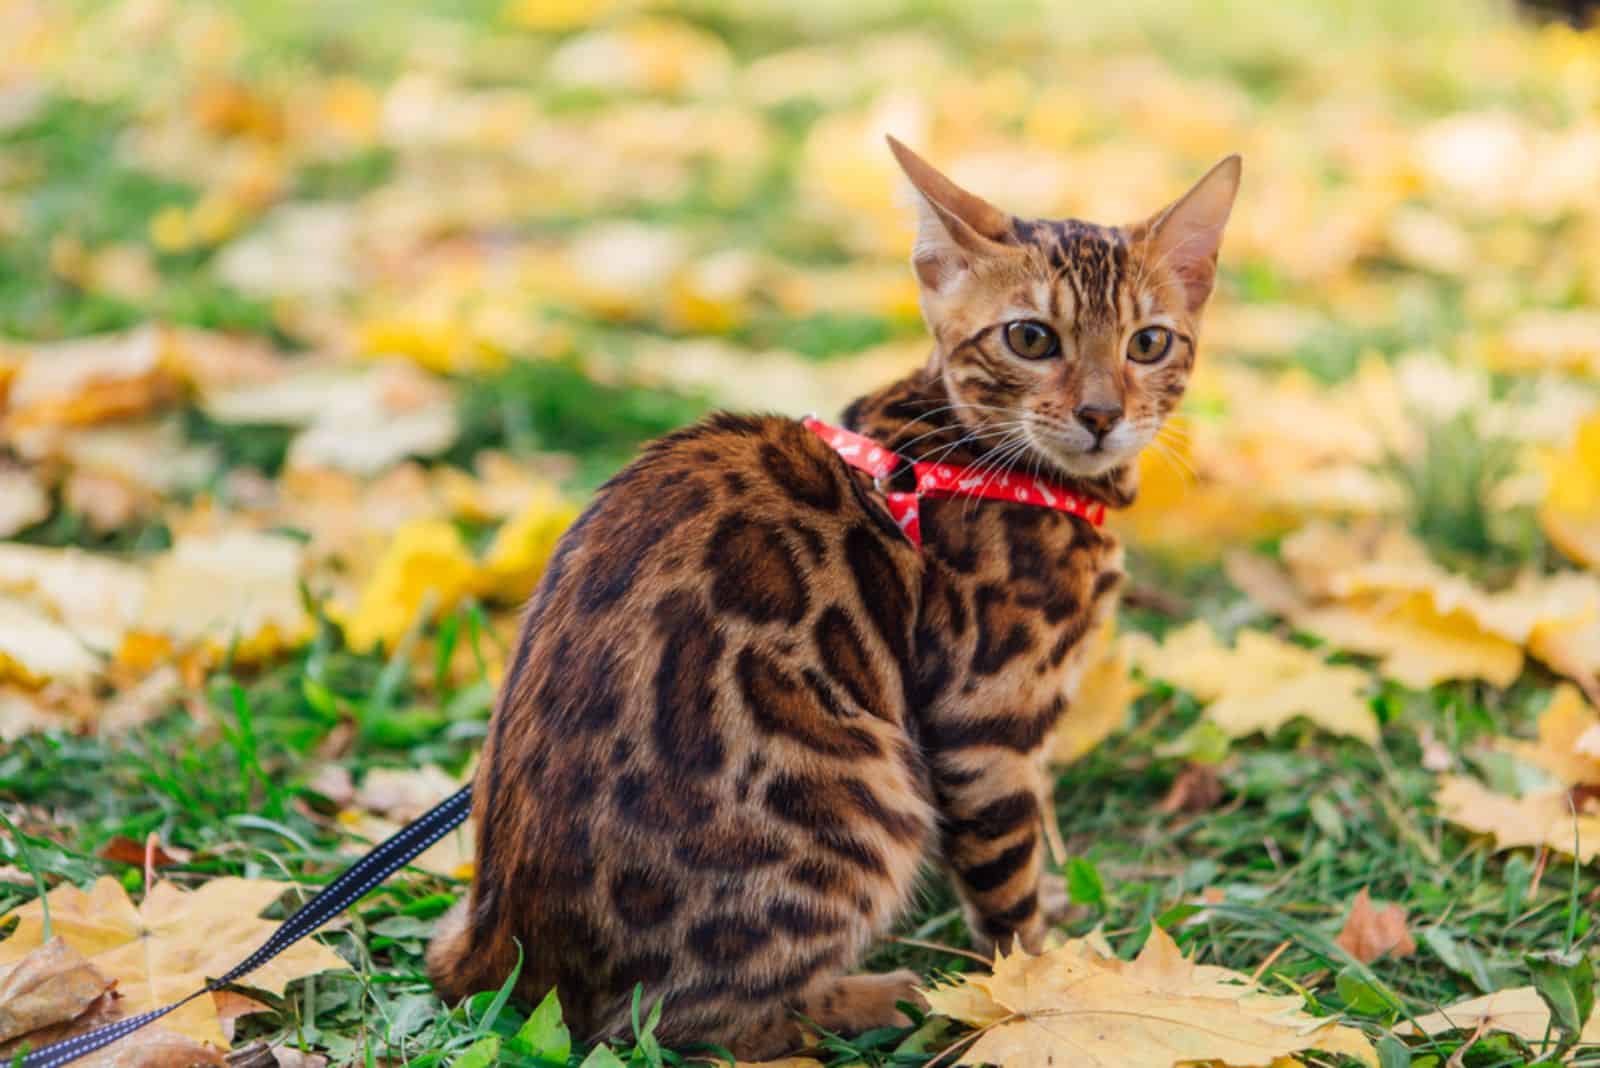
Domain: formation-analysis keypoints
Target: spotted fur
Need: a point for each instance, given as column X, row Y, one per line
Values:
column 744, row 710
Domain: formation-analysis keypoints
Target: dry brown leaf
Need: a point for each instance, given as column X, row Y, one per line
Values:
column 53, row 984
column 231, row 1005
column 1370, row 933
column 294, row 1058
column 167, row 946
column 125, row 850
column 1070, row 1005
column 333, row 782
column 1197, row 788
column 101, row 1011
column 155, row 1047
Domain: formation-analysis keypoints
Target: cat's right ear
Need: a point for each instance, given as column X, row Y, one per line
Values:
column 953, row 225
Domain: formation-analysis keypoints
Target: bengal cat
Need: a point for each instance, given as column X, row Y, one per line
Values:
column 745, row 709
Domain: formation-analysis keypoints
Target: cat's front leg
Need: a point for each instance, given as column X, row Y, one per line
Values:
column 992, row 838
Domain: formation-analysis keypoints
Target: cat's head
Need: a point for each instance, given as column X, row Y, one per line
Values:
column 1064, row 342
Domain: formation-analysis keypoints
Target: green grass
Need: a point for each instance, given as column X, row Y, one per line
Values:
column 1305, row 823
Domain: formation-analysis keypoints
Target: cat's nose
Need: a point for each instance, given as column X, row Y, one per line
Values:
column 1098, row 418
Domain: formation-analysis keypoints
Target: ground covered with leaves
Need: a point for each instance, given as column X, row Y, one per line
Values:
column 318, row 322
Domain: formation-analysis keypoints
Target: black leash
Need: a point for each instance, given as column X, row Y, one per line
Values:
column 386, row 859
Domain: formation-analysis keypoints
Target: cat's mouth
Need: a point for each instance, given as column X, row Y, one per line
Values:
column 1079, row 453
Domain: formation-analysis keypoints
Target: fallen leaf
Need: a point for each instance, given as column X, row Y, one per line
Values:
column 1572, row 506
column 23, row 500
column 426, row 565
column 403, row 794
column 360, row 420
column 294, row 1058
column 155, row 1047
column 451, row 856
column 1070, row 1005
column 52, row 984
column 1198, row 788
column 231, row 1005
column 235, row 588
column 1415, row 643
column 95, row 597
column 35, row 648
column 125, row 850
column 169, row 945
column 333, row 782
column 1519, row 1011
column 152, row 696
column 1568, row 746
column 516, row 558
column 1370, row 933
column 91, row 380
column 106, row 502
column 1262, row 683
column 1548, row 339
column 1543, row 818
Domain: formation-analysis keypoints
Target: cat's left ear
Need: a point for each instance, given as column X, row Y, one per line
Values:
column 953, row 226
column 1187, row 233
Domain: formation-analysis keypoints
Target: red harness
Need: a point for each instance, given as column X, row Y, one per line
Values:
column 946, row 480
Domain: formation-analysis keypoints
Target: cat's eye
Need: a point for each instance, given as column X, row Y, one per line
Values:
column 1150, row 344
column 1032, row 340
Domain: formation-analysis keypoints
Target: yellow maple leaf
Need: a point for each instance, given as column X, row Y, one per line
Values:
column 425, row 564
column 1415, row 644
column 1105, row 693
column 1372, row 594
column 1568, row 746
column 1519, row 1011
column 1571, row 509
column 522, row 546
column 1262, row 683
column 89, row 380
column 170, row 944
column 1070, row 1005
column 1542, row 818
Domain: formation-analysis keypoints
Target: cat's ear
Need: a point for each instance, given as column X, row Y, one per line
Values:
column 1186, row 234
column 953, row 225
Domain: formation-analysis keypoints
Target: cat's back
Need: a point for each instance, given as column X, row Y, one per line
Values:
column 701, row 743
